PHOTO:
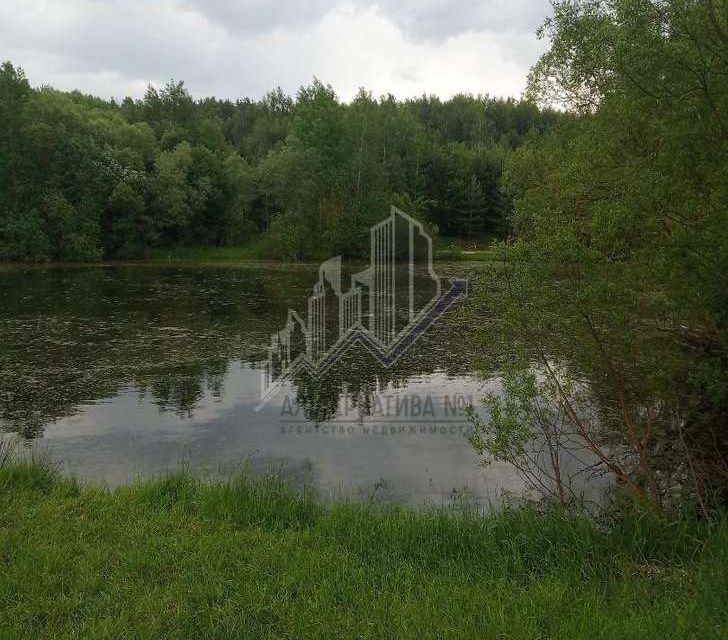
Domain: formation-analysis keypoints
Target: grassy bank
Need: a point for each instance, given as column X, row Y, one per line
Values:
column 448, row 248
column 444, row 249
column 251, row 251
column 176, row 558
column 460, row 255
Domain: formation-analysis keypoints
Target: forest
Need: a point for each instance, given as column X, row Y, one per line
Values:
column 83, row 178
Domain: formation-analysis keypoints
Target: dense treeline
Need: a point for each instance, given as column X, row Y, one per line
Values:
column 616, row 272
column 82, row 178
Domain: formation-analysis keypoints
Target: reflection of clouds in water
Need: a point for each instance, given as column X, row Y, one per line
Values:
column 115, row 439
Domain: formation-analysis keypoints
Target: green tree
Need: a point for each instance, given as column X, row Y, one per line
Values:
column 619, row 262
column 129, row 229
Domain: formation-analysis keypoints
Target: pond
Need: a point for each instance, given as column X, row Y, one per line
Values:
column 119, row 371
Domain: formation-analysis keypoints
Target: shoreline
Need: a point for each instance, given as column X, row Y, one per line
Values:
column 175, row 556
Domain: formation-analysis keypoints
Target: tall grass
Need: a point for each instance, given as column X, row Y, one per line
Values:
column 249, row 557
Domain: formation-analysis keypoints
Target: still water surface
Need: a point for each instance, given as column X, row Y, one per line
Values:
column 121, row 371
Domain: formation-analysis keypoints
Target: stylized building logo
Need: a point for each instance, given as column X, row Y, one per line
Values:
column 387, row 307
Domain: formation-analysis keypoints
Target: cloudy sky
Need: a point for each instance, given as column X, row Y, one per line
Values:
column 234, row 48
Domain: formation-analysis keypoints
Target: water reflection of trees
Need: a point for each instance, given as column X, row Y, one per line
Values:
column 180, row 390
column 72, row 336
column 358, row 377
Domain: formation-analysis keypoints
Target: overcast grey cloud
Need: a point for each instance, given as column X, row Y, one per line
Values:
column 246, row 47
